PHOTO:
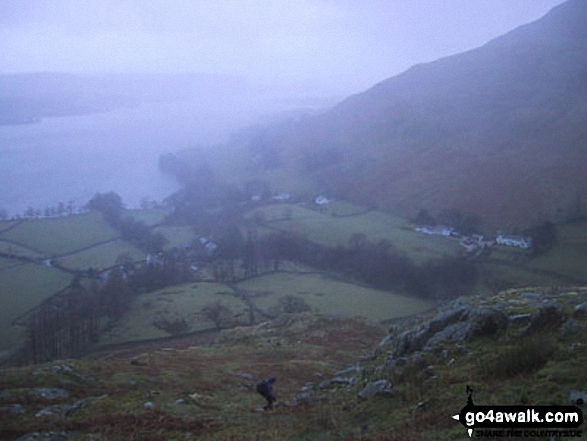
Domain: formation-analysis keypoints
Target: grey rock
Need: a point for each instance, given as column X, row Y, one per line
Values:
column 305, row 398
column 517, row 319
column 580, row 311
column 44, row 436
column 49, row 411
column 578, row 398
column 50, row 393
column 16, row 409
column 148, row 405
column 244, row 375
column 337, row 381
column 531, row 295
column 417, row 361
column 80, row 404
column 386, row 340
column 456, row 325
column 65, row 409
column 380, row 387
column 349, row 371
column 62, row 369
column 570, row 328
column 461, row 349
column 549, row 316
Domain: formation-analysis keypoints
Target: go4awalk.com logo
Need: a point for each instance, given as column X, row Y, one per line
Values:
column 520, row 421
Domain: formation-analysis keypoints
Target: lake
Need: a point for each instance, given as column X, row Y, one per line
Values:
column 72, row 158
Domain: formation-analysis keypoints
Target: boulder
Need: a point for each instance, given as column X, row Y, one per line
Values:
column 456, row 325
column 50, row 393
column 570, row 328
column 44, row 436
column 337, row 381
column 549, row 316
column 349, row 371
column 580, row 311
column 380, row 387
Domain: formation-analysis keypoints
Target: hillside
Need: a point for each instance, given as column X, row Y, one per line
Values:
column 337, row 379
column 499, row 131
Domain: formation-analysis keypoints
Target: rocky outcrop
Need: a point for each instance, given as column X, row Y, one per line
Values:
column 549, row 316
column 459, row 324
column 381, row 388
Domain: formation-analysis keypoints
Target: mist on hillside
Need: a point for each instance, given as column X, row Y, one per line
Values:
column 65, row 137
column 92, row 94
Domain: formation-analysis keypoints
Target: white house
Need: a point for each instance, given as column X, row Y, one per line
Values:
column 281, row 197
column 514, row 241
column 438, row 230
column 322, row 200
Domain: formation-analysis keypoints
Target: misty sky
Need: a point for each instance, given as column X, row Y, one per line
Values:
column 343, row 45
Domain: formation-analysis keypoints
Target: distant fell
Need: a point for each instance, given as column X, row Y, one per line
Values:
column 499, row 132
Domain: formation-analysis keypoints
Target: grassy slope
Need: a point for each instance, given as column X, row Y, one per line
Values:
column 176, row 236
column 149, row 217
column 324, row 295
column 570, row 254
column 330, row 297
column 101, row 256
column 216, row 383
column 174, row 303
column 330, row 227
column 23, row 288
column 61, row 235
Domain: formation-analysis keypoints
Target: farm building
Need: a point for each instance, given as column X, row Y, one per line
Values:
column 514, row 241
column 322, row 200
column 438, row 230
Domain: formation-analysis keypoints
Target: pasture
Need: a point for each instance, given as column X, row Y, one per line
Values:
column 4, row 225
column 328, row 296
column 60, row 235
column 24, row 287
column 148, row 217
column 101, row 256
column 176, row 236
column 336, row 224
column 569, row 257
column 176, row 303
column 18, row 250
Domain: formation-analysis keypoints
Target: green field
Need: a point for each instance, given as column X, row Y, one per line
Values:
column 323, row 294
column 148, row 217
column 184, row 302
column 86, row 241
column 101, row 256
column 328, row 229
column 18, row 250
column 7, row 263
column 56, row 236
column 569, row 256
column 4, row 225
column 328, row 296
column 176, row 236
column 23, row 288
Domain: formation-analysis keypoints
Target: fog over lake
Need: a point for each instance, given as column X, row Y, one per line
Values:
column 71, row 158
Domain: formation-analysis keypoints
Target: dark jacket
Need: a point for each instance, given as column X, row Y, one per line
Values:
column 265, row 389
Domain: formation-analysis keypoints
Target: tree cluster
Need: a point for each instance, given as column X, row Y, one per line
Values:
column 70, row 322
column 133, row 231
column 377, row 264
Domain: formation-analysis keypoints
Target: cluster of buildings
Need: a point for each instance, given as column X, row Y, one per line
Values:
column 476, row 243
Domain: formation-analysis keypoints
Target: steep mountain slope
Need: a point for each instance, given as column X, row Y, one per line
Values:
column 500, row 131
